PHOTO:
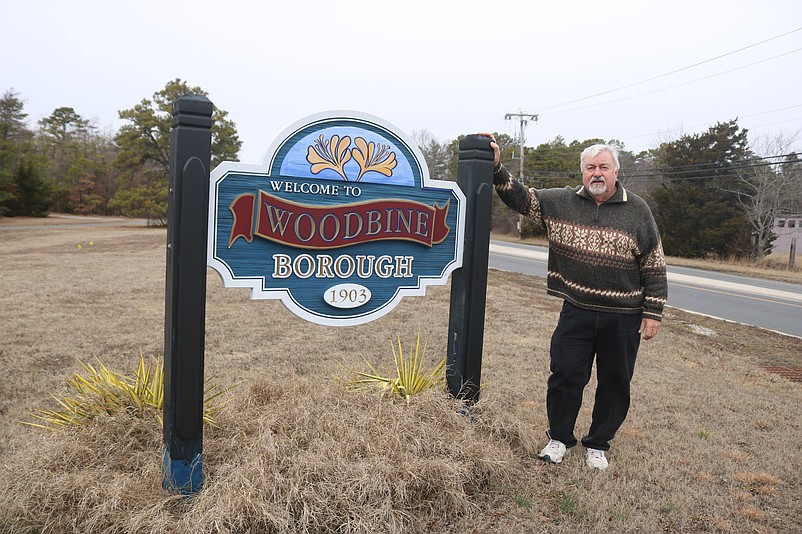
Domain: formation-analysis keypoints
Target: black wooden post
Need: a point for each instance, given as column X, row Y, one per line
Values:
column 469, row 283
column 185, row 294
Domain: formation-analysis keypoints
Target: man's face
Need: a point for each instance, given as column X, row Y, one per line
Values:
column 599, row 176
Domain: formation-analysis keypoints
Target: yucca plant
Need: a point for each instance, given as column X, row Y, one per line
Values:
column 410, row 378
column 104, row 392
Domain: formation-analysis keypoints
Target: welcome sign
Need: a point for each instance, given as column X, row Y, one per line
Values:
column 340, row 222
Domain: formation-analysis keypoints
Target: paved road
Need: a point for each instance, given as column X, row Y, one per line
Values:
column 773, row 305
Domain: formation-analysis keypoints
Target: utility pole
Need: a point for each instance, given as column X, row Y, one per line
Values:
column 523, row 119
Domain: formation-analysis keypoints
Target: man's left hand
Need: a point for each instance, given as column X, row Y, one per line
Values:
column 649, row 328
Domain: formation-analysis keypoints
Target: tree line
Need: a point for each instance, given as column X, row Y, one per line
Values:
column 713, row 193
column 68, row 165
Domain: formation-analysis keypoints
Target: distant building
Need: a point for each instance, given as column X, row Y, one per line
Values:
column 786, row 228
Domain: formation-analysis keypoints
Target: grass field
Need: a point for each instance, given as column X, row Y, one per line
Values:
column 711, row 443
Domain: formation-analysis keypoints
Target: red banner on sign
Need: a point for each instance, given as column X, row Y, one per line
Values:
column 324, row 227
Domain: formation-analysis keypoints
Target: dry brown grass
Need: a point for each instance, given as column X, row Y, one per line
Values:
column 711, row 443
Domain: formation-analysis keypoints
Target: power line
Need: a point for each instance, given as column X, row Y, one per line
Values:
column 677, row 85
column 751, row 158
column 673, row 86
column 749, row 162
column 675, row 173
column 643, row 177
column 671, row 72
column 710, row 124
column 567, row 149
column 770, row 111
column 776, row 122
column 575, row 150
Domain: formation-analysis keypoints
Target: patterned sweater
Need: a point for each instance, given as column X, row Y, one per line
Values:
column 605, row 257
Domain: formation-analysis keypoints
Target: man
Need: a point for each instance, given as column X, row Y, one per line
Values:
column 606, row 262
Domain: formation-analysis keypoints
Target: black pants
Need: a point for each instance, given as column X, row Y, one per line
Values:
column 581, row 335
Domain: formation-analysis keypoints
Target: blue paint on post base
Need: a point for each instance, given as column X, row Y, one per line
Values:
column 181, row 476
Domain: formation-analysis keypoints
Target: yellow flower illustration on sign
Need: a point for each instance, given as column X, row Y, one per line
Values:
column 373, row 157
column 332, row 154
column 336, row 152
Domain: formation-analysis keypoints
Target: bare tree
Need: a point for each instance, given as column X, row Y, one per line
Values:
column 435, row 153
column 769, row 186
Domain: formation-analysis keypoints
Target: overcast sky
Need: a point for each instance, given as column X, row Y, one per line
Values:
column 639, row 71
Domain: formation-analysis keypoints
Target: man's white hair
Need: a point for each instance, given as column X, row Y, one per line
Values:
column 594, row 150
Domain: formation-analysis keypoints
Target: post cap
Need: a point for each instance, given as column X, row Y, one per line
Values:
column 475, row 146
column 192, row 104
column 192, row 110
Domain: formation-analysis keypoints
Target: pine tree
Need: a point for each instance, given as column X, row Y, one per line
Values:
column 696, row 216
column 31, row 195
column 144, row 153
column 14, row 136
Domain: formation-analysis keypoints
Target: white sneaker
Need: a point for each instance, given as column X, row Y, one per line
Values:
column 553, row 452
column 595, row 459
